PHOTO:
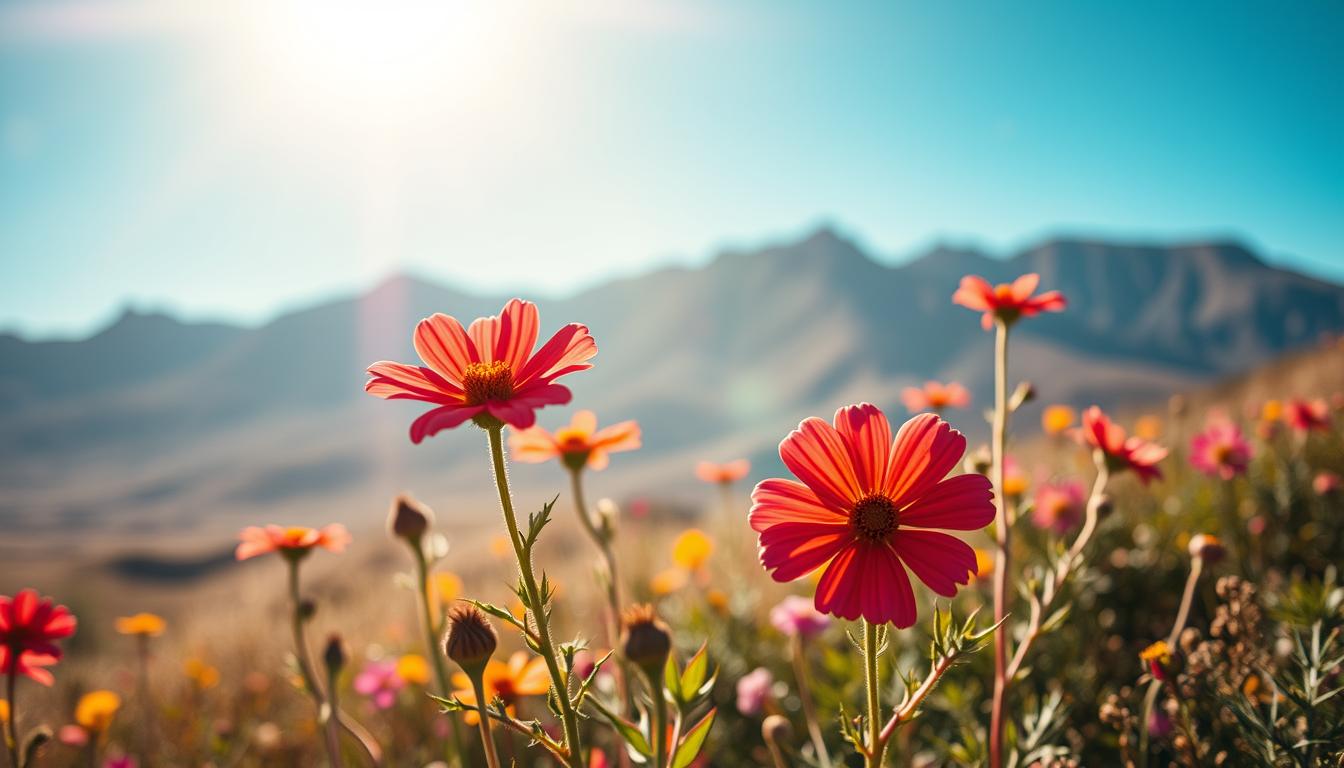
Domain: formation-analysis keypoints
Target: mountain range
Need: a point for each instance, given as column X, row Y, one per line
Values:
column 158, row 426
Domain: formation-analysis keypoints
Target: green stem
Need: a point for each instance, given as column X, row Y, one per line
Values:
column 805, row 696
column 305, row 658
column 487, row 741
column 870, row 654
column 432, row 628
column 331, row 727
column 660, row 748
column 603, row 543
column 11, row 735
column 569, row 719
column 1001, row 557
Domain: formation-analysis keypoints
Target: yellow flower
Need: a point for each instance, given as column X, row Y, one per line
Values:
column 1057, row 418
column 1158, row 652
column 201, row 675
column 1148, row 427
column 501, row 547
column 692, row 549
column 142, row 624
column 666, row 582
column 413, row 668
column 95, row 710
column 447, row 586
column 984, row 563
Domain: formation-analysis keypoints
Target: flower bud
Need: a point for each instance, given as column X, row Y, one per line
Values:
column 1207, row 547
column 470, row 640
column 409, row 519
column 646, row 641
column 307, row 608
column 335, row 655
column 777, row 729
column 1025, row 393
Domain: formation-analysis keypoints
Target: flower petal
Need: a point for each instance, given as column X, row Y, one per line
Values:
column 817, row 455
column 398, row 381
column 893, row 599
column 566, row 352
column 939, row 560
column 975, row 293
column 926, row 449
column 441, row 343
column 1024, row 286
column 867, row 437
column 793, row 550
column 961, row 503
column 445, row 417
column 837, row 591
column 777, row 501
column 509, row 336
column 532, row 446
column 624, row 436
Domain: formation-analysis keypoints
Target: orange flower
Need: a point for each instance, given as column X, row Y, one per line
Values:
column 1057, row 418
column 142, row 624
column 487, row 373
column 667, row 581
column 578, row 445
column 1148, row 427
column 413, row 668
column 95, row 710
column 935, row 397
column 520, row 677
column 201, row 674
column 984, row 563
column 691, row 549
column 1006, row 302
column 722, row 474
column 446, row 586
column 295, row 541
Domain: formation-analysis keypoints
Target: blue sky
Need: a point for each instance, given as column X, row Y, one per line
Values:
column 232, row 159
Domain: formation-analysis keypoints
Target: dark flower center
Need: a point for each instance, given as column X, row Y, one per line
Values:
column 487, row 382
column 874, row 518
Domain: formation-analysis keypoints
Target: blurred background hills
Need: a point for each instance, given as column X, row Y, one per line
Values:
column 157, row 427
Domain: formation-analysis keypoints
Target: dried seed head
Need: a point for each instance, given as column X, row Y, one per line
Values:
column 409, row 519
column 470, row 640
column 1207, row 547
column 647, row 640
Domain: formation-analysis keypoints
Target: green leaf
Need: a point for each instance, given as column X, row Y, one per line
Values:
column 694, row 675
column 693, row 741
column 628, row 731
column 672, row 677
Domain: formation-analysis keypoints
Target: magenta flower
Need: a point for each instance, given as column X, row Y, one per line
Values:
column 380, row 682
column 796, row 616
column 752, row 691
column 1220, row 450
column 1059, row 506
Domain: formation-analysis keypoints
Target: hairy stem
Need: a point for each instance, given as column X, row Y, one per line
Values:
column 1001, row 539
column 487, row 741
column 873, row 684
column 569, row 719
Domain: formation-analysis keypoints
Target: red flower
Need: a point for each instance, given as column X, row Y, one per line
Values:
column 865, row 505
column 935, row 397
column 1306, row 415
column 728, row 472
column 1005, row 301
column 487, row 372
column 295, row 540
column 29, row 629
column 1121, row 453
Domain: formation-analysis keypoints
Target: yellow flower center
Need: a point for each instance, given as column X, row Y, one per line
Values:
column 874, row 518
column 486, row 382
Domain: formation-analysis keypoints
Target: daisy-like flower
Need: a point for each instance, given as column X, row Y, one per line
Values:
column 1121, row 453
column 95, row 710
column 29, row 628
column 1307, row 415
column 142, row 625
column 579, row 445
column 864, row 509
column 1006, row 302
column 520, row 677
column 1059, row 506
column 935, row 396
column 487, row 372
column 1220, row 450
column 722, row 474
column 295, row 541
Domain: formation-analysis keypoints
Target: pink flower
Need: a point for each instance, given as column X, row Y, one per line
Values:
column 1220, row 450
column 863, row 510
column 380, row 682
column 752, row 691
column 1006, row 302
column 1326, row 483
column 295, row 541
column 935, row 397
column 1121, row 453
column 795, row 616
column 1059, row 506
column 72, row 735
column 722, row 474
column 487, row 373
column 1306, row 415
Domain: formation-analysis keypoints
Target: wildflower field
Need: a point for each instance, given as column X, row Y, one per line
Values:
column 1151, row 587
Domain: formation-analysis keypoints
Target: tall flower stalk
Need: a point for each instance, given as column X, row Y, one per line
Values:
column 536, row 601
column 873, row 685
